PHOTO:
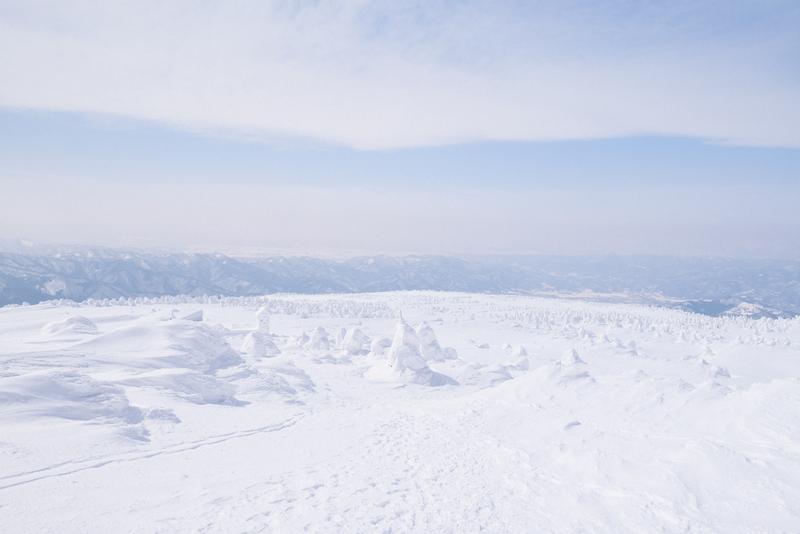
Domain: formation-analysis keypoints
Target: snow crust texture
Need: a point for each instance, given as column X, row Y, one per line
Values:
column 396, row 412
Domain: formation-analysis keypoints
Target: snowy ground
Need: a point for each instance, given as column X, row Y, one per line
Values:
column 506, row 414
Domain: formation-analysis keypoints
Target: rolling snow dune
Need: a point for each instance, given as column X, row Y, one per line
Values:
column 335, row 413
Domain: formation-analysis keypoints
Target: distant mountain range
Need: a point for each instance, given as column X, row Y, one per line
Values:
column 712, row 286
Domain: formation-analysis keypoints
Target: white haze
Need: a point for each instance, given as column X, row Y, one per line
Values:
column 743, row 221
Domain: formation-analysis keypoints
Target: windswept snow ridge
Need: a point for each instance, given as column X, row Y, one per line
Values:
column 334, row 414
column 74, row 324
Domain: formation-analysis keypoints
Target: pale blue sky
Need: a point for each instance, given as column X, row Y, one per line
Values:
column 85, row 146
column 557, row 127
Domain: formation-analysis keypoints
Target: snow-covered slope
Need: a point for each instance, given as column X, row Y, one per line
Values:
column 532, row 414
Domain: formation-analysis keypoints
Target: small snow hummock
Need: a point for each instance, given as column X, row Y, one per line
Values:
column 298, row 341
column 196, row 316
column 354, row 341
column 319, row 339
column 405, row 350
column 378, row 346
column 519, row 351
column 571, row 357
column 406, row 362
column 259, row 343
column 74, row 324
column 521, row 364
column 262, row 318
column 429, row 345
column 339, row 340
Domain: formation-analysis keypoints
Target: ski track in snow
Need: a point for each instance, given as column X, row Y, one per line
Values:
column 76, row 466
column 326, row 414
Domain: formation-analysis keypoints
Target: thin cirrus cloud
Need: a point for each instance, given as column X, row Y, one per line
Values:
column 375, row 75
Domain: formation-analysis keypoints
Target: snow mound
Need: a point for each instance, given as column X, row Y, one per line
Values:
column 176, row 344
column 405, row 362
column 521, row 364
column 721, row 372
column 262, row 320
column 179, row 358
column 565, row 376
column 259, row 345
column 277, row 378
column 495, row 374
column 319, row 340
column 378, row 346
column 571, row 358
column 196, row 388
column 405, row 353
column 66, row 395
column 196, row 316
column 519, row 351
column 340, row 333
column 354, row 341
column 714, row 371
column 429, row 345
column 74, row 324
column 297, row 342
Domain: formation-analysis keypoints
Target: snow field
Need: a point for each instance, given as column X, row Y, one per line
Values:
column 333, row 413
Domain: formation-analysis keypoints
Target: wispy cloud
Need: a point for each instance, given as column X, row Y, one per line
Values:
column 396, row 74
